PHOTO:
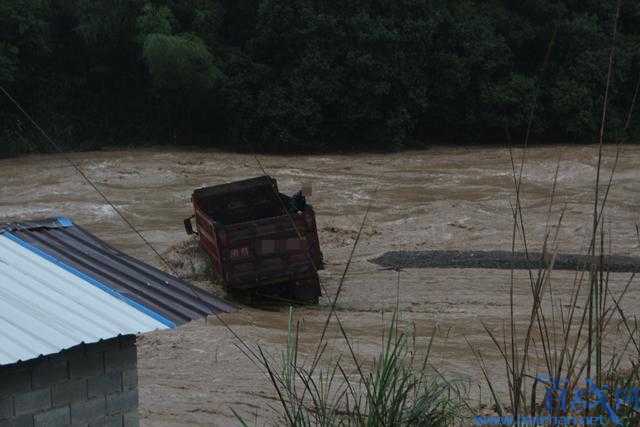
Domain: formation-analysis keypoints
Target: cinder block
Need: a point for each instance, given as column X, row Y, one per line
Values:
column 105, row 384
column 90, row 411
column 86, row 364
column 33, row 401
column 69, row 391
column 6, row 408
column 122, row 402
column 128, row 341
column 49, row 371
column 102, row 346
column 98, row 422
column 21, row 421
column 14, row 380
column 130, row 379
column 121, row 359
column 108, row 421
column 131, row 419
column 54, row 417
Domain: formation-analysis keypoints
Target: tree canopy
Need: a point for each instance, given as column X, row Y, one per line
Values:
column 290, row 75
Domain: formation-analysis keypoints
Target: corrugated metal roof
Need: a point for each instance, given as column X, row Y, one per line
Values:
column 61, row 286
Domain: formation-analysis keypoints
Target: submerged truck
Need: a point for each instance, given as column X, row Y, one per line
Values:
column 262, row 244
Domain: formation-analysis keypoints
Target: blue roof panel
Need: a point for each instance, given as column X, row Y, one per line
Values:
column 61, row 286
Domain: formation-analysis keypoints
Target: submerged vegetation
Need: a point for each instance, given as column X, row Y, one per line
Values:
column 304, row 75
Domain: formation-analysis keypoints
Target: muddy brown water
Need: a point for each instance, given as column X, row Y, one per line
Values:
column 439, row 199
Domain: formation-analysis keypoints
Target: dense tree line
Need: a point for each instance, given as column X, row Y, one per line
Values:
column 312, row 74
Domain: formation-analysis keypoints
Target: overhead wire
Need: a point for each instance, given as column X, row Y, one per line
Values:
column 245, row 347
column 104, row 197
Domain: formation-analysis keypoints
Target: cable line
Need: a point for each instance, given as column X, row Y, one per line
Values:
column 102, row 195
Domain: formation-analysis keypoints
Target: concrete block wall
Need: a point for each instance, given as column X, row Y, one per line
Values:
column 89, row 385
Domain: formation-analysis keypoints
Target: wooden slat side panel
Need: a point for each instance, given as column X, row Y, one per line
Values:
column 261, row 252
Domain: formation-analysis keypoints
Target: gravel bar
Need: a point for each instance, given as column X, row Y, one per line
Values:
column 500, row 260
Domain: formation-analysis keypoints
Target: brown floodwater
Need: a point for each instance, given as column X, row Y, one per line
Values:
column 449, row 198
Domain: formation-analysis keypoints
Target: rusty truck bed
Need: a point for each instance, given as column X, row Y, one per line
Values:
column 260, row 241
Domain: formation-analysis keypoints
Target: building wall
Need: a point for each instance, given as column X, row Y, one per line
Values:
column 88, row 385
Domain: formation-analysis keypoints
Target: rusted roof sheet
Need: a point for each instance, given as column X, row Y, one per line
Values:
column 61, row 286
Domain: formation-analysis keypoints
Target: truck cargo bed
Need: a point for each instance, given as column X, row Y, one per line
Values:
column 260, row 242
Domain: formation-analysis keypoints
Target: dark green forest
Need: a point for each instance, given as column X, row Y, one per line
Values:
column 312, row 75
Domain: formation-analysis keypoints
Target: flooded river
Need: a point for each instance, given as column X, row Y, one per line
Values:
column 440, row 199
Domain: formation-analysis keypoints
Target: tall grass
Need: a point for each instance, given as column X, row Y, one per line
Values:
column 589, row 346
column 398, row 389
column 393, row 390
column 562, row 353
